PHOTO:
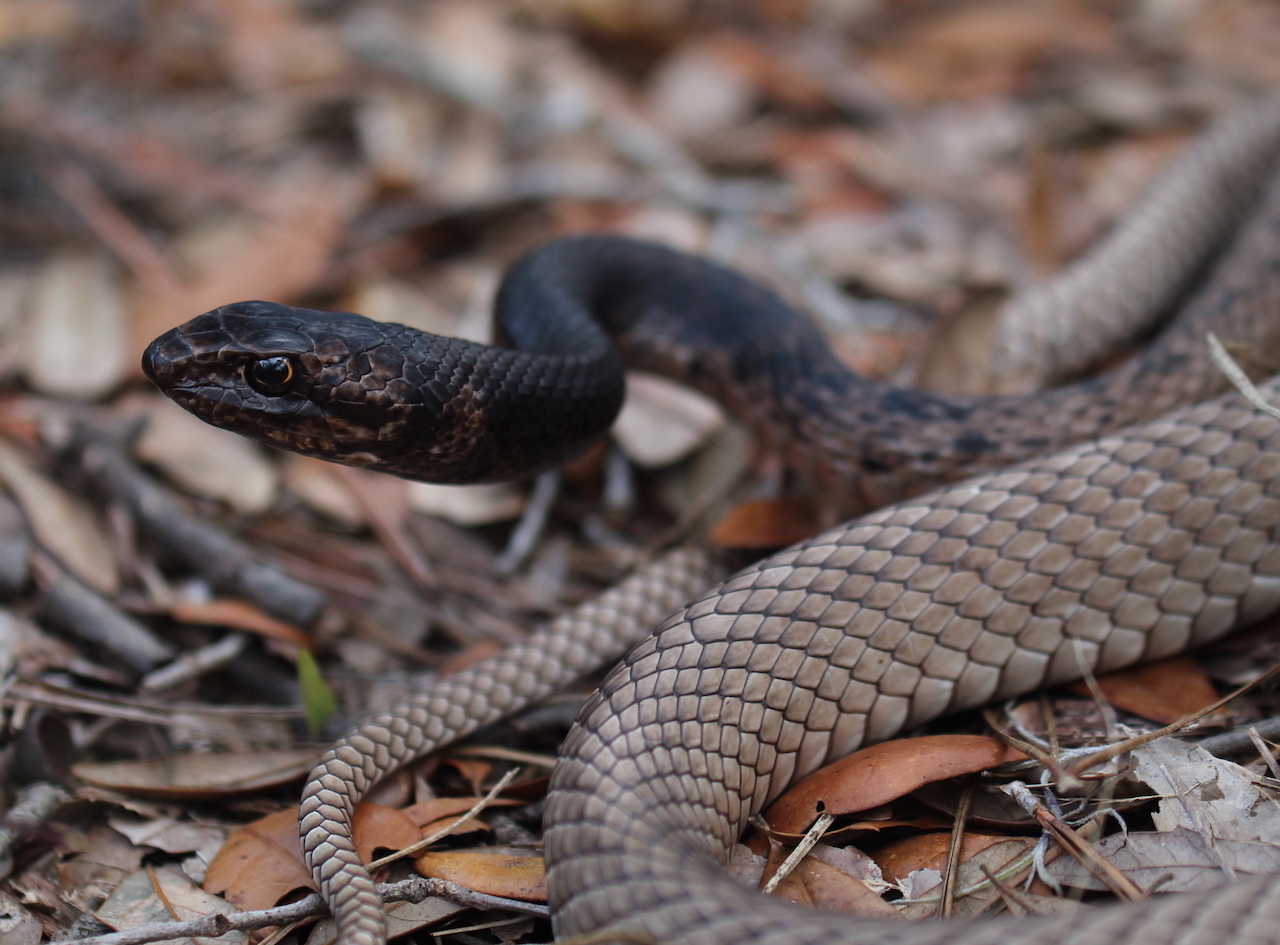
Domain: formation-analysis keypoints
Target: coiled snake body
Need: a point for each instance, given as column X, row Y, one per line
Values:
column 1137, row 545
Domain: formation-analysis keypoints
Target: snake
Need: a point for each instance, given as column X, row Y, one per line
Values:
column 1148, row 525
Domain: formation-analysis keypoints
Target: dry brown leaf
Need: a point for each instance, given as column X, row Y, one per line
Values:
column 998, row 858
column 203, row 459
column 774, row 75
column 380, row 828
column 241, row 615
column 454, row 825
column 161, row 895
column 204, row 775
column 877, row 775
column 926, row 851
column 764, row 523
column 513, row 877
column 93, row 862
column 285, row 257
column 75, row 308
column 662, row 421
column 819, row 164
column 822, row 886
column 474, row 770
column 60, row 522
column 981, row 49
column 260, row 863
column 1162, row 692
column 429, row 813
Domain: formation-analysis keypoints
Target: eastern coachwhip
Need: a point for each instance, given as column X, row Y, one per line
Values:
column 1137, row 545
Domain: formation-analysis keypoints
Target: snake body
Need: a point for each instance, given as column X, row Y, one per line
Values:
column 1139, row 544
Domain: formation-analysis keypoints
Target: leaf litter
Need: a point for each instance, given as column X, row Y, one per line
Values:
column 156, row 589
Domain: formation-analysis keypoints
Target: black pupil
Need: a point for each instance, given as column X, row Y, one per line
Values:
column 271, row 373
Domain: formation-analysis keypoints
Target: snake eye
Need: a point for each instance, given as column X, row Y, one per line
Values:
column 271, row 375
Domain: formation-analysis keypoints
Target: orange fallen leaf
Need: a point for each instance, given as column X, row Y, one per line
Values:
column 444, row 813
column 764, row 523
column 227, row 612
column 1163, row 692
column 926, row 851
column 260, row 863
column 474, row 770
column 436, row 809
column 381, row 828
column 512, row 877
column 881, row 773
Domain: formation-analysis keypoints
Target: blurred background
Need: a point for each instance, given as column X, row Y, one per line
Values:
column 894, row 167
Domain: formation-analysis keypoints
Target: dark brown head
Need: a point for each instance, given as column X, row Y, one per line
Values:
column 382, row 396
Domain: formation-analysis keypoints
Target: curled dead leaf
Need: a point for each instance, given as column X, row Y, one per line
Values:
column 877, row 775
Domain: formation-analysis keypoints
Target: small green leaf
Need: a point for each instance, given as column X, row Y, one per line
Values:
column 317, row 697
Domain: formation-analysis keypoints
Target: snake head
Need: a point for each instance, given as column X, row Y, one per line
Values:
column 382, row 396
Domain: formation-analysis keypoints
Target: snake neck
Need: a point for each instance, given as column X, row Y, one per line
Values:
column 855, row 442
column 444, row 410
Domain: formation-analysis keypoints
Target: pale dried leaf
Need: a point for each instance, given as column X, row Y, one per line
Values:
column 399, row 131
column 745, row 866
column 199, row 775
column 662, row 421
column 60, row 522
column 698, row 92
column 1008, row 861
column 137, row 902
column 1204, row 792
column 18, row 925
column 1214, row 820
column 204, row 460
column 818, row 884
column 468, row 49
column 95, row 862
column 1181, row 858
column 316, row 484
column 76, row 338
column 467, row 505
column 169, row 835
column 852, row 861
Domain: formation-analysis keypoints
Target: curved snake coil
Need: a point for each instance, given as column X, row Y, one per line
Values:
column 1052, row 331
column 1140, row 544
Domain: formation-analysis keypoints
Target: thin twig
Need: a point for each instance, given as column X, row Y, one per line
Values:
column 950, row 876
column 211, row 926
column 802, row 849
